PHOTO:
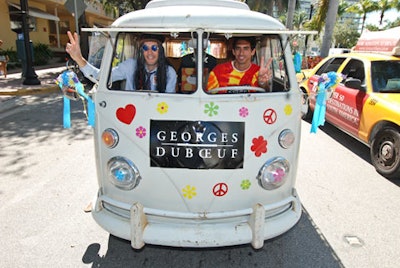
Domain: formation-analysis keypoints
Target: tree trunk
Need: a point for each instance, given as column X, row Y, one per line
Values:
column 329, row 26
column 290, row 15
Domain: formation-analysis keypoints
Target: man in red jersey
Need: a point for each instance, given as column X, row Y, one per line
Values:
column 241, row 71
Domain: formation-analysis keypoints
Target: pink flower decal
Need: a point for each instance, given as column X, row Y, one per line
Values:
column 140, row 132
column 243, row 112
column 279, row 175
column 259, row 146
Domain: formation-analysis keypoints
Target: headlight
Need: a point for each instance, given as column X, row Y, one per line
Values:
column 123, row 173
column 286, row 138
column 110, row 137
column 273, row 173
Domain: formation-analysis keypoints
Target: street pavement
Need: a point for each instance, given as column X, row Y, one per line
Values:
column 351, row 207
column 12, row 85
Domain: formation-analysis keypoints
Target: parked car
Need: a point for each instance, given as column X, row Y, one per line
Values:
column 333, row 51
column 365, row 104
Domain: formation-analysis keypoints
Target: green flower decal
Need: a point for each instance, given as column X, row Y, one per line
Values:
column 189, row 191
column 211, row 109
column 245, row 185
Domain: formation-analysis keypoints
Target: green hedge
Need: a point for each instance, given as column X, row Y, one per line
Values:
column 42, row 54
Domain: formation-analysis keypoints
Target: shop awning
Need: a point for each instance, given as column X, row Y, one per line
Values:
column 37, row 13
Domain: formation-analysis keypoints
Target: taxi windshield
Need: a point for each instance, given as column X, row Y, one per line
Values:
column 385, row 76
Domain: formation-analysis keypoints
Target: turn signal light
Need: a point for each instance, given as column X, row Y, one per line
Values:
column 110, row 137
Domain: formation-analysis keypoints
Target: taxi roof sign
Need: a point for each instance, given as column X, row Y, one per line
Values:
column 387, row 42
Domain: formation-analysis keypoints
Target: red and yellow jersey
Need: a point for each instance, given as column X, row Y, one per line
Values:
column 225, row 75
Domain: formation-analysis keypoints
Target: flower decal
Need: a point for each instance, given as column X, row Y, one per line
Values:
column 211, row 109
column 279, row 175
column 140, row 132
column 245, row 185
column 259, row 146
column 189, row 191
column 288, row 109
column 162, row 107
column 243, row 112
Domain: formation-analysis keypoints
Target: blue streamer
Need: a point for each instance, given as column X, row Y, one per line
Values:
column 319, row 110
column 67, row 113
column 324, row 84
column 68, row 79
column 90, row 103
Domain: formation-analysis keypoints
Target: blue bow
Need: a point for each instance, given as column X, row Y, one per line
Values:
column 320, row 104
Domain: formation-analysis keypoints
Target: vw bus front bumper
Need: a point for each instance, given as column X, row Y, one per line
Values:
column 143, row 225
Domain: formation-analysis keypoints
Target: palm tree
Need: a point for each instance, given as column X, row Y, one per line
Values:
column 343, row 5
column 329, row 26
column 384, row 5
column 290, row 16
column 299, row 18
column 363, row 8
column 317, row 21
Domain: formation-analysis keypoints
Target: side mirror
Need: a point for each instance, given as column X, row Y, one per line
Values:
column 353, row 83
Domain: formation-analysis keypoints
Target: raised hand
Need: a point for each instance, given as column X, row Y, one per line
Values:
column 74, row 50
column 265, row 72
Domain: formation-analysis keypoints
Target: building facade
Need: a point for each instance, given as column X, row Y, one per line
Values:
column 49, row 20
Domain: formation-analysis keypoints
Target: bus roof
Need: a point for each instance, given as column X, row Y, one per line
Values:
column 218, row 16
column 222, row 3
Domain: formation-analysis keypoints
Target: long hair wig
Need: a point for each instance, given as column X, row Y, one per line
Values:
column 161, row 75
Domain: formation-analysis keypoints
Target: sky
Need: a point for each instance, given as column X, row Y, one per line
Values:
column 374, row 17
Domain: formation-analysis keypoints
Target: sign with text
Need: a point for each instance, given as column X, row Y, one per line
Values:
column 196, row 144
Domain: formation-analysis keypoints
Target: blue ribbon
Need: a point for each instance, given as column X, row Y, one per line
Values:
column 320, row 102
column 67, row 113
column 67, row 105
column 320, row 109
column 79, row 88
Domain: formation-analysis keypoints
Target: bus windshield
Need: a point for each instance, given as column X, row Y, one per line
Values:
column 218, row 59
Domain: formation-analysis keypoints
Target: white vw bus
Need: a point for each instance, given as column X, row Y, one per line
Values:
column 196, row 168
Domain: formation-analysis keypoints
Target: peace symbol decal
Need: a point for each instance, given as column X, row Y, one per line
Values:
column 270, row 116
column 220, row 189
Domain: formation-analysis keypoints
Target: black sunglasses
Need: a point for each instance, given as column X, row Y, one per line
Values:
column 153, row 47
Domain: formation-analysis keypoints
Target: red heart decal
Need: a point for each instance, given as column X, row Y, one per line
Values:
column 126, row 115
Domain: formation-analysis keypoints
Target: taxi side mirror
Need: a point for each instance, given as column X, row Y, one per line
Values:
column 353, row 83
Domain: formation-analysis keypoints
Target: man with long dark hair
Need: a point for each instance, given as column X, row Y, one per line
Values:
column 150, row 71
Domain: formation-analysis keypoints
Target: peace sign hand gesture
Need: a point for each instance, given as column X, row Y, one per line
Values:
column 265, row 72
column 74, row 50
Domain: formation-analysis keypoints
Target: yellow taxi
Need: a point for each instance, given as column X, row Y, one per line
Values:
column 366, row 103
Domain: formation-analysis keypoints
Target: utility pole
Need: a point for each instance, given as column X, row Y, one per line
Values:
column 30, row 75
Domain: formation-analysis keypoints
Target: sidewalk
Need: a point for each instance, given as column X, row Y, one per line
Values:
column 12, row 86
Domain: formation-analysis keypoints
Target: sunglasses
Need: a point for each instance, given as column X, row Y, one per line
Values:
column 153, row 47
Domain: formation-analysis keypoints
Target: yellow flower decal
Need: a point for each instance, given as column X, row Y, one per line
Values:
column 162, row 107
column 245, row 185
column 189, row 191
column 288, row 109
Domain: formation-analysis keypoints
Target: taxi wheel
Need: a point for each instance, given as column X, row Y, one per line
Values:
column 385, row 152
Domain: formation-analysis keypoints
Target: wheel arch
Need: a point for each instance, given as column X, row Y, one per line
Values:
column 379, row 126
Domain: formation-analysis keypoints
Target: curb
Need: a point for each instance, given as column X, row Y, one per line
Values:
column 29, row 91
